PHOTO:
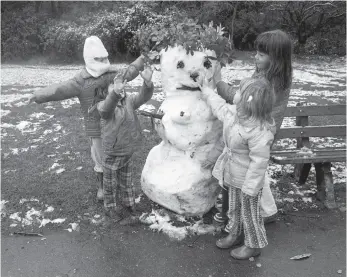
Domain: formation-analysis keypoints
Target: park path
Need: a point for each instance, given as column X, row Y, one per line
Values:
column 136, row 251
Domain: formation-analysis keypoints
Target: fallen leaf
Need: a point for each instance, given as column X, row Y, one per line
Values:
column 301, row 257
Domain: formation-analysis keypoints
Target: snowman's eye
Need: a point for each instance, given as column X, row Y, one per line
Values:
column 180, row 64
column 207, row 64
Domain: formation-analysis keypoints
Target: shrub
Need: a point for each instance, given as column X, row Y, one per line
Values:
column 21, row 38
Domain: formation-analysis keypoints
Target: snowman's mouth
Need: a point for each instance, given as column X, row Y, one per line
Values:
column 183, row 87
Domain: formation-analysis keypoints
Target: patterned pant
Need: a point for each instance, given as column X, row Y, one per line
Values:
column 118, row 185
column 244, row 216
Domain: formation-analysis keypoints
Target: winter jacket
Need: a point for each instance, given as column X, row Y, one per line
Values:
column 246, row 153
column 122, row 132
column 83, row 87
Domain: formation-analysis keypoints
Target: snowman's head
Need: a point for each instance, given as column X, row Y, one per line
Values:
column 185, row 71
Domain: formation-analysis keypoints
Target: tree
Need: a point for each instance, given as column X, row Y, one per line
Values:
column 305, row 18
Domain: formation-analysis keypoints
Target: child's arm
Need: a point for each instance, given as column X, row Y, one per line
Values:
column 259, row 146
column 132, row 71
column 226, row 91
column 146, row 91
column 219, row 107
column 57, row 92
column 115, row 94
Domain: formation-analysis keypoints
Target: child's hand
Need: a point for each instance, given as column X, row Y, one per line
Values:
column 118, row 86
column 206, row 87
column 147, row 76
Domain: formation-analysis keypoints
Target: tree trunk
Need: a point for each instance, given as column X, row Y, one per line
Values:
column 232, row 23
column 37, row 6
column 54, row 9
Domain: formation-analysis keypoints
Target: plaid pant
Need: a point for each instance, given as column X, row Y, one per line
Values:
column 118, row 185
column 244, row 216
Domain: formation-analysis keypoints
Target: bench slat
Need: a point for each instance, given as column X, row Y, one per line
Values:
column 320, row 150
column 317, row 151
column 303, row 160
column 312, row 131
column 315, row 110
column 319, row 156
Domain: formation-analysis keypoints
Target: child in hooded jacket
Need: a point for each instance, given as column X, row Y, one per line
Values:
column 121, row 138
column 248, row 133
column 97, row 73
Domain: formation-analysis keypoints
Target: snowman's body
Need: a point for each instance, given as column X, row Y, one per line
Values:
column 173, row 176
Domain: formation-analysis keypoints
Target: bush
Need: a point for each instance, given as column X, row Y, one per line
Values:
column 21, row 38
column 64, row 40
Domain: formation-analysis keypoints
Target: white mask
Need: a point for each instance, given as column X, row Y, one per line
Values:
column 94, row 48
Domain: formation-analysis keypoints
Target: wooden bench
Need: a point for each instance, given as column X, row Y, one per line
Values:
column 305, row 155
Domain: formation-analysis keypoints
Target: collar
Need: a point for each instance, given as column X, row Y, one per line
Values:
column 85, row 74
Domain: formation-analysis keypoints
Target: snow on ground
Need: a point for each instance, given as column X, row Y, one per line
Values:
column 161, row 221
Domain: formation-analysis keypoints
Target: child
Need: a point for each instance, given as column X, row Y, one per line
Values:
column 274, row 62
column 248, row 132
column 121, row 138
column 97, row 73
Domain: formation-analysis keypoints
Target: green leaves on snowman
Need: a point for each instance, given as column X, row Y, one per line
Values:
column 189, row 34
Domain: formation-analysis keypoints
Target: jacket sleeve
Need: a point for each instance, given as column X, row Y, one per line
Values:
column 143, row 96
column 259, row 146
column 107, row 106
column 219, row 107
column 216, row 151
column 57, row 92
column 226, row 91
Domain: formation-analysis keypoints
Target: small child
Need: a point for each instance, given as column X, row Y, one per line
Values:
column 248, row 132
column 121, row 138
column 97, row 73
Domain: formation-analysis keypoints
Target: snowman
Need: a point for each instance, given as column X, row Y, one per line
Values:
column 173, row 175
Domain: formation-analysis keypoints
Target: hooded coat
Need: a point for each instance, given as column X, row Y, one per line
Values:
column 83, row 85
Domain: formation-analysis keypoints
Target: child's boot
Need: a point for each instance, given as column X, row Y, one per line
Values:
column 131, row 217
column 100, row 193
column 112, row 216
column 222, row 217
column 244, row 252
column 229, row 241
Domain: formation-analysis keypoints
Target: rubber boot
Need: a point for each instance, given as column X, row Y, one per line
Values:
column 229, row 241
column 244, row 253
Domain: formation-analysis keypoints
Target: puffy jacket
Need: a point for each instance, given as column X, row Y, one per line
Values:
column 122, row 131
column 246, row 153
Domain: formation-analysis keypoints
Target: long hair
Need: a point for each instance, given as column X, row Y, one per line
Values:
column 278, row 46
column 257, row 99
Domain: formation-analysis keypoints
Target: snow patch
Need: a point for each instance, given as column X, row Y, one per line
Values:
column 69, row 102
column 147, row 108
column 10, row 98
column 160, row 221
column 4, row 112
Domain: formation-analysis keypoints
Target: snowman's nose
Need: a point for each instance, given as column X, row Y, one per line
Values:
column 194, row 76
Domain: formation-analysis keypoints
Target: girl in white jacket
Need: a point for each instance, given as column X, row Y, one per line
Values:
column 248, row 133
